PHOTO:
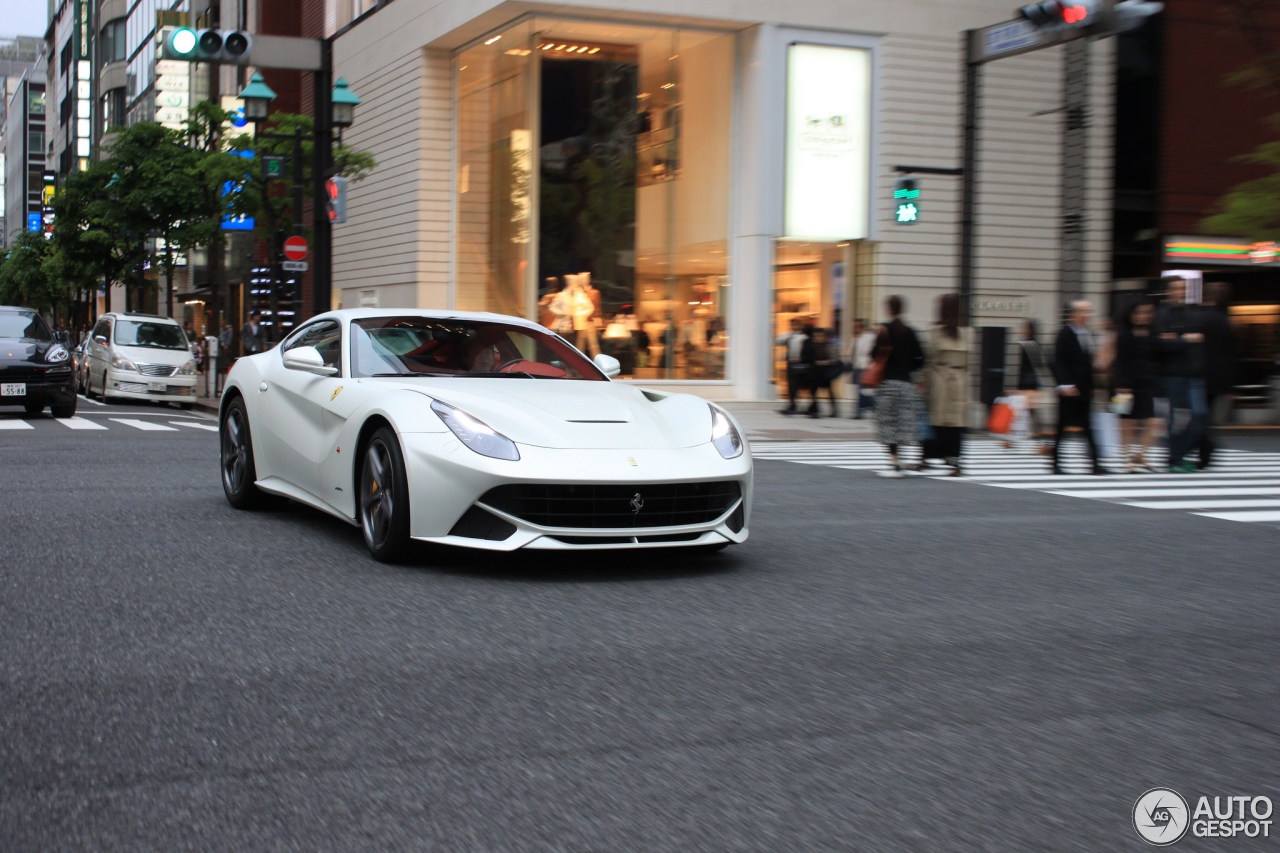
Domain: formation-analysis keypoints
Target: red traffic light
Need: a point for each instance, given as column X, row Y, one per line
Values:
column 1074, row 14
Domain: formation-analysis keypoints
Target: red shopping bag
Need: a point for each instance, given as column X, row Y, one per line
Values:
column 1001, row 418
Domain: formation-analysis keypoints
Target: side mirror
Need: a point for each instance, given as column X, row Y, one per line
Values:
column 608, row 365
column 308, row 359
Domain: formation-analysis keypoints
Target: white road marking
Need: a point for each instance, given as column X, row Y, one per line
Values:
column 143, row 425
column 14, row 424
column 195, row 425
column 1260, row 515
column 78, row 423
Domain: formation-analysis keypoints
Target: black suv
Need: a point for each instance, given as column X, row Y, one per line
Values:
column 35, row 370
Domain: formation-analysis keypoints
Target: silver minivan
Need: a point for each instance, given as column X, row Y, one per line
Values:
column 142, row 357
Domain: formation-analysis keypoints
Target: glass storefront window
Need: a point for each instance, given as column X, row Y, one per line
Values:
column 593, row 188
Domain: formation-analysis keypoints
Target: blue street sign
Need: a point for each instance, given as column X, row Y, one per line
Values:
column 240, row 221
column 34, row 221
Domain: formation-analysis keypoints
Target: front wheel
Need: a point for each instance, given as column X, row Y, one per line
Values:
column 384, row 498
column 64, row 409
column 238, row 469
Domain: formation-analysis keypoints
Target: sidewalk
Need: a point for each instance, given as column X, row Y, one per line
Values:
column 762, row 421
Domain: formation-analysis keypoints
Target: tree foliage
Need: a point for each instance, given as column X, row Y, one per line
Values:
column 153, row 193
column 1252, row 209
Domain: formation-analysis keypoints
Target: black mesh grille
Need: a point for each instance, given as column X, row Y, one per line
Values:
column 598, row 506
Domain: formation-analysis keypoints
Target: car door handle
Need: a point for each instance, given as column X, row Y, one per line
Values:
column 262, row 387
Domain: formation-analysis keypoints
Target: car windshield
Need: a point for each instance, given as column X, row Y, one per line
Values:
column 24, row 325
column 426, row 346
column 145, row 333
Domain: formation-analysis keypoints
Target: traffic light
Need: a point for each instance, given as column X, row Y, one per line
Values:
column 336, row 190
column 1059, row 14
column 1129, row 14
column 192, row 45
column 906, row 199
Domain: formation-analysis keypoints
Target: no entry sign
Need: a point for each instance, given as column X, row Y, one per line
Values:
column 295, row 248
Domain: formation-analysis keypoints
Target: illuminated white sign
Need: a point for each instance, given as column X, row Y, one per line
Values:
column 828, row 167
column 173, row 93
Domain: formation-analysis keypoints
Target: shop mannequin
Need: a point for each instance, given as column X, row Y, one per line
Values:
column 576, row 308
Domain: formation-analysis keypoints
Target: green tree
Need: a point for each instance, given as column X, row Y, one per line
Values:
column 1252, row 209
column 24, row 279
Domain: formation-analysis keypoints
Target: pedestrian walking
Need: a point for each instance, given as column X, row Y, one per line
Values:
column 898, row 404
column 225, row 338
column 821, row 366
column 253, row 336
column 947, row 380
column 1220, row 364
column 1179, row 345
column 860, row 352
column 1034, row 377
column 1073, row 370
column 1134, row 373
column 797, row 377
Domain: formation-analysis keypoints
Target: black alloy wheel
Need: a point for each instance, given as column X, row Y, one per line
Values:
column 238, row 469
column 384, row 498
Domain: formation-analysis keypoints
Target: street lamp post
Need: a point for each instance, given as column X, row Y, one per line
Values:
column 336, row 111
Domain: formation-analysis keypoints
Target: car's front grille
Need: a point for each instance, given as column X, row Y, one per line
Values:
column 156, row 369
column 602, row 506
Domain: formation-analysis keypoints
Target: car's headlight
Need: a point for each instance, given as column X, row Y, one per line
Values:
column 56, row 354
column 724, row 435
column 188, row 369
column 119, row 362
column 477, row 435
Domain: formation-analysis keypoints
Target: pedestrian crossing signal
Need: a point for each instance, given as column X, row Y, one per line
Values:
column 906, row 198
column 336, row 193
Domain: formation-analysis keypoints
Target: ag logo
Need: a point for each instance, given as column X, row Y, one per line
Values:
column 336, row 392
column 1161, row 816
column 637, row 502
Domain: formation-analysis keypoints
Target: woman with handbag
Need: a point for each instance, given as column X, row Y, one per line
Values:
column 1135, row 385
column 1033, row 377
column 898, row 406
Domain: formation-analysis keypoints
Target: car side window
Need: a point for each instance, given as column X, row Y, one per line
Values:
column 325, row 336
column 103, row 329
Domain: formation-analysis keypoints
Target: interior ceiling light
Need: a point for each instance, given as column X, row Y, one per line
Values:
column 492, row 40
column 518, row 51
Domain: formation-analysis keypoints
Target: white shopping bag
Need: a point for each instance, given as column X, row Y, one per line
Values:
column 1021, row 417
column 1106, row 433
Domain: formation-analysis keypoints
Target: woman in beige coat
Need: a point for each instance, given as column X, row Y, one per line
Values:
column 947, row 377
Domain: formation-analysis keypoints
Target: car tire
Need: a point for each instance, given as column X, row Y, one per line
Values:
column 104, row 386
column 383, row 500
column 186, row 407
column 64, row 410
column 236, row 458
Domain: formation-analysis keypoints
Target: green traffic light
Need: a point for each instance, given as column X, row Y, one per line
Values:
column 182, row 41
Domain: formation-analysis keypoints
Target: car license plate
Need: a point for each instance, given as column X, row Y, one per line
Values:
column 156, row 386
column 13, row 389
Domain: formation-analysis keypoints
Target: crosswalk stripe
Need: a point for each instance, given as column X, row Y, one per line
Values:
column 195, row 425
column 1261, row 515
column 143, row 425
column 79, row 423
column 1209, row 504
column 15, row 424
column 1240, row 485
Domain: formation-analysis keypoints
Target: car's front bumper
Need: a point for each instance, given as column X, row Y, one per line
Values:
column 42, row 385
column 163, row 389
column 458, row 514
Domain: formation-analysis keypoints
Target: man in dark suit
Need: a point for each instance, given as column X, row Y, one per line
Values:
column 1220, row 360
column 1073, row 371
column 253, row 336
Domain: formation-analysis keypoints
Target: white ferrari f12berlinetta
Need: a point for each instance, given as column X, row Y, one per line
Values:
column 478, row 430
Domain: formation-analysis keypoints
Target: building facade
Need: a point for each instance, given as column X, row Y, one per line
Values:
column 672, row 183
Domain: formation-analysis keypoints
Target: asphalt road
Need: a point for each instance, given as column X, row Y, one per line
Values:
column 885, row 665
